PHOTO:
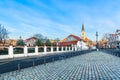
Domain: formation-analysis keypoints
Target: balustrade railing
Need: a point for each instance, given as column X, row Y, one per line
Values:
column 24, row 51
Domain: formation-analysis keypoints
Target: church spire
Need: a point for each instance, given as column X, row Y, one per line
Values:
column 83, row 27
column 83, row 32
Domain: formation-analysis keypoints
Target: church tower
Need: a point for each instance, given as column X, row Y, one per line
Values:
column 83, row 32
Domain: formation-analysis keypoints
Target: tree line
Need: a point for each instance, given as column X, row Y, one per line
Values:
column 41, row 41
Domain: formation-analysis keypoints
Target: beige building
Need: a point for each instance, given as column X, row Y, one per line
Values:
column 9, row 42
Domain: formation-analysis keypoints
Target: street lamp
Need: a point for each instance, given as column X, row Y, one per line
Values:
column 97, row 41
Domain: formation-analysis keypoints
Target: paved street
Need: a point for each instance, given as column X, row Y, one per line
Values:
column 90, row 66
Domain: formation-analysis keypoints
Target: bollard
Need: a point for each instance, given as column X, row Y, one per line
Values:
column 53, row 59
column 97, row 49
column 33, row 63
column 18, row 67
column 44, row 61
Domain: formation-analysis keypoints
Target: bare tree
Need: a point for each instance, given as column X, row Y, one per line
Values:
column 39, row 36
column 106, row 36
column 3, row 34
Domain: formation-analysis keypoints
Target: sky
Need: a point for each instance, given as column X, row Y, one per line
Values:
column 59, row 18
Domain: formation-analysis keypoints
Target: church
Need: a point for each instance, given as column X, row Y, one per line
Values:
column 73, row 39
column 83, row 35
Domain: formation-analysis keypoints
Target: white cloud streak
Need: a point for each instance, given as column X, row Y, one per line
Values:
column 59, row 19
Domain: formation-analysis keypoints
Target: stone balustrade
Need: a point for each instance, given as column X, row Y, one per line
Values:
column 46, row 50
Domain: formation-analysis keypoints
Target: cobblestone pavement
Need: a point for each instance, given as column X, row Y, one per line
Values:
column 90, row 66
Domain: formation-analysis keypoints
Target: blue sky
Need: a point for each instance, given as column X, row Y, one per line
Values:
column 59, row 18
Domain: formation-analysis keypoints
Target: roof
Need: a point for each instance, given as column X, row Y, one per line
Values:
column 112, row 35
column 67, row 43
column 64, row 42
column 76, row 37
column 30, row 38
column 86, row 39
column 117, row 30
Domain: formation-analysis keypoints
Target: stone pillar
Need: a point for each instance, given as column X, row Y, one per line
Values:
column 36, row 50
column 66, row 48
column 45, row 49
column 72, row 47
column 51, row 49
column 25, row 51
column 69, row 48
column 10, row 51
column 57, row 49
column 62, row 49
column 75, row 47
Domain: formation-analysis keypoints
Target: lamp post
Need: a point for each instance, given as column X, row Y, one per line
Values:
column 97, row 41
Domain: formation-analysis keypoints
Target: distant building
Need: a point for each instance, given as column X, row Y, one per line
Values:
column 69, row 40
column 114, row 40
column 72, row 39
column 13, row 42
column 81, row 45
column 54, row 41
column 31, row 41
column 9, row 42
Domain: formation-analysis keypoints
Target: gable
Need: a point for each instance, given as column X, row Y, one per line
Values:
column 71, row 38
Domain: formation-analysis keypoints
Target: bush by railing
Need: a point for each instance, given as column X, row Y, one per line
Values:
column 40, row 49
column 4, row 51
column 60, row 49
column 48, row 49
column 18, row 50
column 31, row 50
column 63, row 48
column 54, row 49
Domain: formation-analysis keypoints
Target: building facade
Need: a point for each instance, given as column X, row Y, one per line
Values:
column 31, row 41
column 69, row 40
column 114, row 40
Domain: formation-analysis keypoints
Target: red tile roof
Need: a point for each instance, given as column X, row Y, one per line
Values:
column 68, row 43
column 30, row 39
column 76, row 37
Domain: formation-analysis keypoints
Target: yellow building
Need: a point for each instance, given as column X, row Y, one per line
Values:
column 85, row 38
column 9, row 42
column 13, row 42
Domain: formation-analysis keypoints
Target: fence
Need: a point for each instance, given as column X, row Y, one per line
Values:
column 13, row 52
column 115, row 52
